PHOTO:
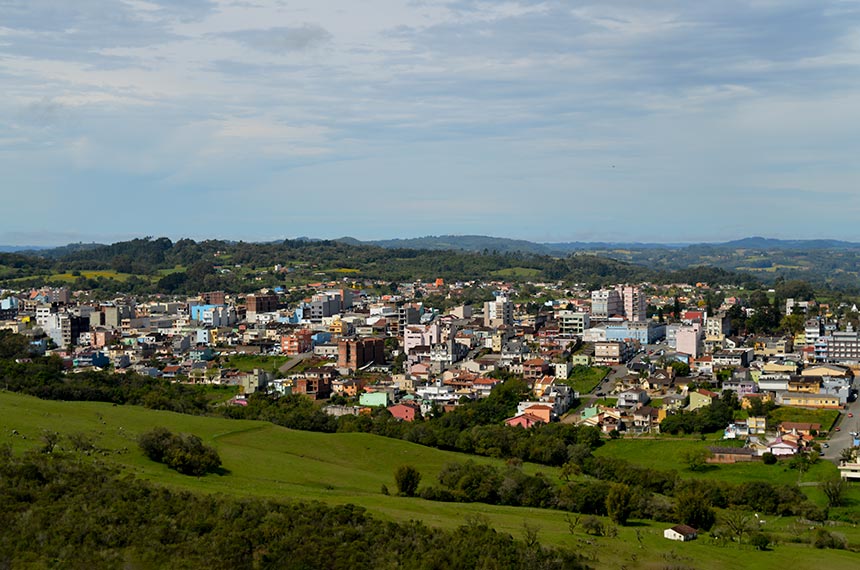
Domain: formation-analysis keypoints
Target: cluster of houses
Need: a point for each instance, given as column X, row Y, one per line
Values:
column 394, row 349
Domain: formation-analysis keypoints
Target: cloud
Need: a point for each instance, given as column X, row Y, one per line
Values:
column 433, row 103
column 284, row 39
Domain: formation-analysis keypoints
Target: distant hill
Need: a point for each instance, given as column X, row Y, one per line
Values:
column 17, row 248
column 758, row 242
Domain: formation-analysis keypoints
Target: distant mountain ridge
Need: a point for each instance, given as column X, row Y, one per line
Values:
column 504, row 245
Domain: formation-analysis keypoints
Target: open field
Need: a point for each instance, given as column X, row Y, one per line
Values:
column 584, row 379
column 668, row 453
column 786, row 414
column 266, row 460
column 248, row 362
column 517, row 272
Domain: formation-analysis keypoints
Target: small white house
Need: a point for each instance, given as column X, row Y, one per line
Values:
column 681, row 532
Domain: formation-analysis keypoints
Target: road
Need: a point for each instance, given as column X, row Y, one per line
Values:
column 843, row 439
column 294, row 361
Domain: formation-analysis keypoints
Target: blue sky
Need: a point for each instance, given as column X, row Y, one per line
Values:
column 660, row 121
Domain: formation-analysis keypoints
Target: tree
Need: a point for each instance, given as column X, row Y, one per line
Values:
column 737, row 523
column 407, row 479
column 694, row 509
column 619, row 503
column 834, row 489
column 696, row 458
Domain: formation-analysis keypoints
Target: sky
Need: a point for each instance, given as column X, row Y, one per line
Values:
column 612, row 120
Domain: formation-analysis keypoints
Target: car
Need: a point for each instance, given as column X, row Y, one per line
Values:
column 825, row 445
column 838, row 428
column 850, row 415
column 601, row 394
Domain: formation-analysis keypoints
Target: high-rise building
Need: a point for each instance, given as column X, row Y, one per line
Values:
column 498, row 312
column 606, row 303
column 354, row 353
column 635, row 306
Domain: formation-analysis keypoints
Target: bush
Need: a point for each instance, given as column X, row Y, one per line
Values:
column 407, row 479
column 768, row 458
column 185, row 453
column 760, row 540
column 824, row 539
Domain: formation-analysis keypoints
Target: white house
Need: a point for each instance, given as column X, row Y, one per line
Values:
column 681, row 532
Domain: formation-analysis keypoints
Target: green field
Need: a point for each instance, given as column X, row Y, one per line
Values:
column 265, row 460
column 668, row 453
column 248, row 362
column 584, row 379
column 516, row 272
column 786, row 414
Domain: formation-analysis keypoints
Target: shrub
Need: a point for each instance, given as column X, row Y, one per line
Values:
column 407, row 479
column 768, row 458
column 185, row 453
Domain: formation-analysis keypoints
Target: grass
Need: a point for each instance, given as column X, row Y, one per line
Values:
column 668, row 453
column 248, row 362
column 268, row 461
column 787, row 414
column 517, row 272
column 584, row 379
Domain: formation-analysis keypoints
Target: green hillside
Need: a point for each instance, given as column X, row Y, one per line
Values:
column 265, row 460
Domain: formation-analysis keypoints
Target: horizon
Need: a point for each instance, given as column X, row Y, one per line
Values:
column 174, row 239
column 609, row 121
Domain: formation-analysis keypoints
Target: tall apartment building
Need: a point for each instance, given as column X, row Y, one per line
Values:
column 572, row 322
column 635, row 306
column 605, row 303
column 354, row 353
column 498, row 312
column 261, row 303
column 214, row 298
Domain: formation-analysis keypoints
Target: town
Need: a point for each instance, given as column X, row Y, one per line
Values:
column 595, row 358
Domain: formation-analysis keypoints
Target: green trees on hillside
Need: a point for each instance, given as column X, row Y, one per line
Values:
column 185, row 453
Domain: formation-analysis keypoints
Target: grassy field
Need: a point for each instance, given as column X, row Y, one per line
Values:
column 517, row 272
column 265, row 460
column 786, row 414
column 668, row 453
column 584, row 379
column 248, row 362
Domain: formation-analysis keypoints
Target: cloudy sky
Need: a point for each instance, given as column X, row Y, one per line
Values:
column 612, row 120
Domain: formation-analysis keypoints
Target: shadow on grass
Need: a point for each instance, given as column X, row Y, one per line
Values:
column 222, row 471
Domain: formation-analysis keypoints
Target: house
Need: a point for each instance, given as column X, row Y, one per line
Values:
column 525, row 420
column 736, row 429
column 782, row 448
column 798, row 428
column 404, row 412
column 701, row 399
column 757, row 425
column 730, row 455
column 538, row 409
column 632, row 398
column 681, row 532
column 810, row 400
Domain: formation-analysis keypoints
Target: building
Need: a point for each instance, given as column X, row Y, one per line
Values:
column 355, row 353
column 612, row 352
column 498, row 312
column 688, row 339
column 634, row 301
column 298, row 342
column 572, row 322
column 261, row 303
column 681, row 532
column 606, row 303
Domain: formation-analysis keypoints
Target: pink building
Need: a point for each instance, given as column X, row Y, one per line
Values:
column 405, row 412
column 689, row 340
column 525, row 420
column 417, row 335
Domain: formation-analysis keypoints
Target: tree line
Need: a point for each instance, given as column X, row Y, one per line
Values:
column 67, row 511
